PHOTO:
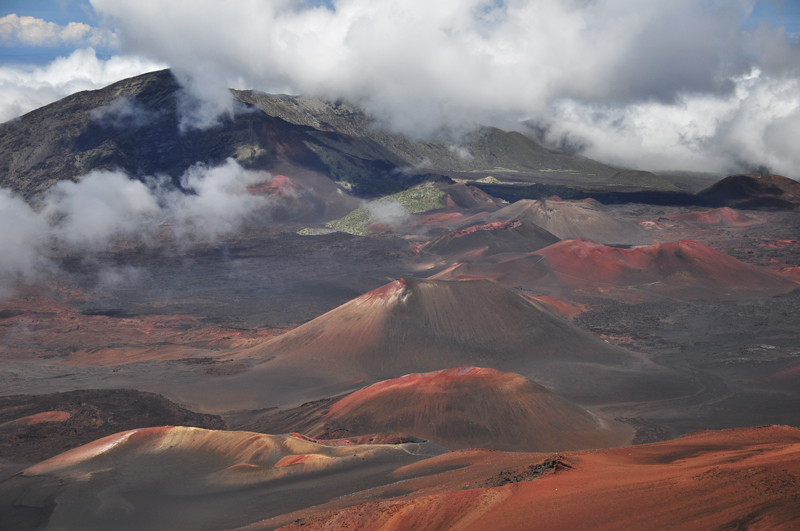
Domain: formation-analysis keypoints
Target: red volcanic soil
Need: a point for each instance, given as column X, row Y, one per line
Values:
column 567, row 220
column 378, row 228
column 564, row 309
column 492, row 238
column 466, row 407
column 190, row 478
column 370, row 438
column 793, row 272
column 35, row 326
column 780, row 244
column 439, row 218
column 418, row 325
column 30, row 420
column 279, row 186
column 720, row 216
column 509, row 269
column 790, row 375
column 36, row 427
column 460, row 195
column 684, row 270
column 732, row 479
column 754, row 191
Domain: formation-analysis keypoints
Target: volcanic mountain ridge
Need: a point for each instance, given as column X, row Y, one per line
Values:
column 86, row 131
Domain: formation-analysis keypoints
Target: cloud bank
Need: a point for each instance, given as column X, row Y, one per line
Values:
column 32, row 31
column 648, row 84
column 23, row 89
column 91, row 213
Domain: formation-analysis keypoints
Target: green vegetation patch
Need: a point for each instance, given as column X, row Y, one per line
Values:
column 418, row 199
column 356, row 222
column 489, row 179
column 248, row 152
column 315, row 231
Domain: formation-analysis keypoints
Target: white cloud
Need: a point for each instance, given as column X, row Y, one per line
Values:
column 386, row 211
column 123, row 112
column 100, row 205
column 419, row 66
column 757, row 124
column 218, row 200
column 89, row 214
column 23, row 235
column 32, row 31
column 110, row 277
column 461, row 152
column 666, row 82
column 23, row 89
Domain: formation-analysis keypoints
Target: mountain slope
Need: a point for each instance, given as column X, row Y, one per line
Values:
column 487, row 148
column 754, row 191
column 731, row 479
column 37, row 427
column 416, row 325
column 413, row 325
column 190, row 478
column 133, row 125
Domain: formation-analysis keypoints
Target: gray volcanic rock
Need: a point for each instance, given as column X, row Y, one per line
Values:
column 37, row 427
column 133, row 125
column 190, row 478
column 487, row 148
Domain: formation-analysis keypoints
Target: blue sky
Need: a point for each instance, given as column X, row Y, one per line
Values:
column 779, row 13
column 61, row 12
